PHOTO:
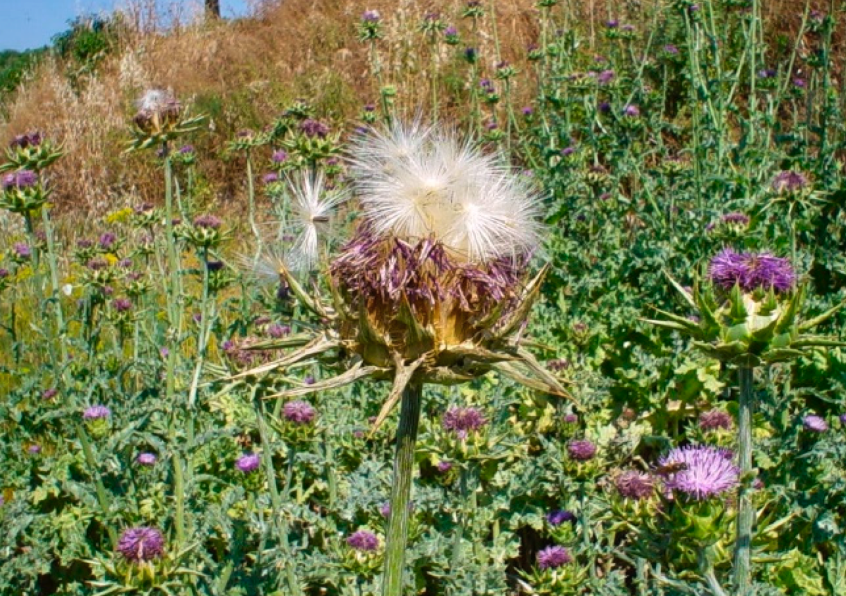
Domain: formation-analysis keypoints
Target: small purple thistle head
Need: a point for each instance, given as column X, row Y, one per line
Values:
column 270, row 178
column 751, row 271
column 299, row 412
column 363, row 541
column 631, row 110
column 635, row 485
column 122, row 304
column 671, row 49
column 279, row 156
column 570, row 419
column 107, row 240
column 186, row 149
column 314, row 128
column 559, row 516
column 451, row 31
column 21, row 179
column 445, row 466
column 581, row 450
column 463, row 420
column 605, row 77
column 842, row 419
column 146, row 459
column 248, row 463
column 612, row 24
column 22, row 251
column 141, row 544
column 708, row 471
column 789, row 181
column 815, row 423
column 714, row 420
column 553, row 557
column 370, row 16
column 49, row 393
column 96, row 413
column 34, row 449
column 210, row 222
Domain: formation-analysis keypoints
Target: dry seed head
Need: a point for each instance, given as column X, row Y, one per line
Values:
column 313, row 207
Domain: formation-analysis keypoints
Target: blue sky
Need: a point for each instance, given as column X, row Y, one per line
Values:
column 31, row 23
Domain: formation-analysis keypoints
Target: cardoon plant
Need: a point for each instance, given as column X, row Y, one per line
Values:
column 747, row 317
column 431, row 289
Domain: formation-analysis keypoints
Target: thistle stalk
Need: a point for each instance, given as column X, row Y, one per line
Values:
column 745, row 510
column 401, row 491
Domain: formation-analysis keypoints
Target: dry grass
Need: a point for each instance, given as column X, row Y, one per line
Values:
column 242, row 72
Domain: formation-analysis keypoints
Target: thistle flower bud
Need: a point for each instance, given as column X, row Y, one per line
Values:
column 138, row 545
column 789, row 182
column 553, row 557
column 559, row 516
column 363, row 541
column 248, row 463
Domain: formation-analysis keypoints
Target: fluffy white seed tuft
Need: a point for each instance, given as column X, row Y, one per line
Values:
column 313, row 206
column 415, row 183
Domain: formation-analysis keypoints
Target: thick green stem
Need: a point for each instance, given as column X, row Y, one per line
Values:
column 745, row 510
column 102, row 497
column 401, row 491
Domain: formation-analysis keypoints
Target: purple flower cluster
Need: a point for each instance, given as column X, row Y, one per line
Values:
column 22, row 251
column 789, row 181
column 211, row 222
column 715, row 419
column 146, row 459
column 581, row 450
column 96, row 413
column 704, row 471
column 559, row 516
column 314, row 128
column 370, row 16
column 107, row 240
column 30, row 139
column 363, row 541
column 20, row 179
column 751, row 271
column 553, row 557
column 299, row 412
column 463, row 420
column 141, row 544
column 247, row 463
column 635, row 485
column 279, row 156
column 815, row 423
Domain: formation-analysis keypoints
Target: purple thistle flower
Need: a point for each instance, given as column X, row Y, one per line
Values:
column 270, row 178
column 559, row 516
column 715, row 419
column 567, row 151
column 30, row 139
column 767, row 73
column 570, row 419
column 842, row 418
column 279, row 156
column 277, row 331
column 450, row 31
column 4, row 273
column 141, row 544
column 635, row 485
column 96, row 413
column 605, row 77
column 735, row 217
column 788, row 181
column 22, row 251
column 603, row 107
column 34, row 449
column 631, row 110
column 364, row 541
column 370, row 16
column 553, row 556
column 527, row 111
column 186, row 149
column 299, row 412
column 445, row 466
column 581, row 450
column 751, row 271
column 146, row 459
column 627, row 28
column 21, row 179
column 708, row 472
column 461, row 420
column 210, row 222
column 612, row 24
column 470, row 54
column 671, row 49
column 815, row 423
column 247, row 463
column 314, row 128
column 385, row 509
column 49, row 393
column 107, row 240
column 799, row 83
column 122, row 304
column 486, row 85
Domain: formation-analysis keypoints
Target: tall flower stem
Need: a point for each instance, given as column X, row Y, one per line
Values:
column 745, row 511
column 251, row 195
column 173, row 289
column 102, row 497
column 54, row 277
column 401, row 491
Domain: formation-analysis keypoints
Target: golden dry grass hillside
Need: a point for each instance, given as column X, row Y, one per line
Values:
column 243, row 72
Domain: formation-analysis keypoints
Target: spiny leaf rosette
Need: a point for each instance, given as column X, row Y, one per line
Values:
column 433, row 287
column 749, row 313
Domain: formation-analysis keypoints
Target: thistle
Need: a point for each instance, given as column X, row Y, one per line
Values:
column 160, row 118
column 30, row 151
column 748, row 316
column 431, row 289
